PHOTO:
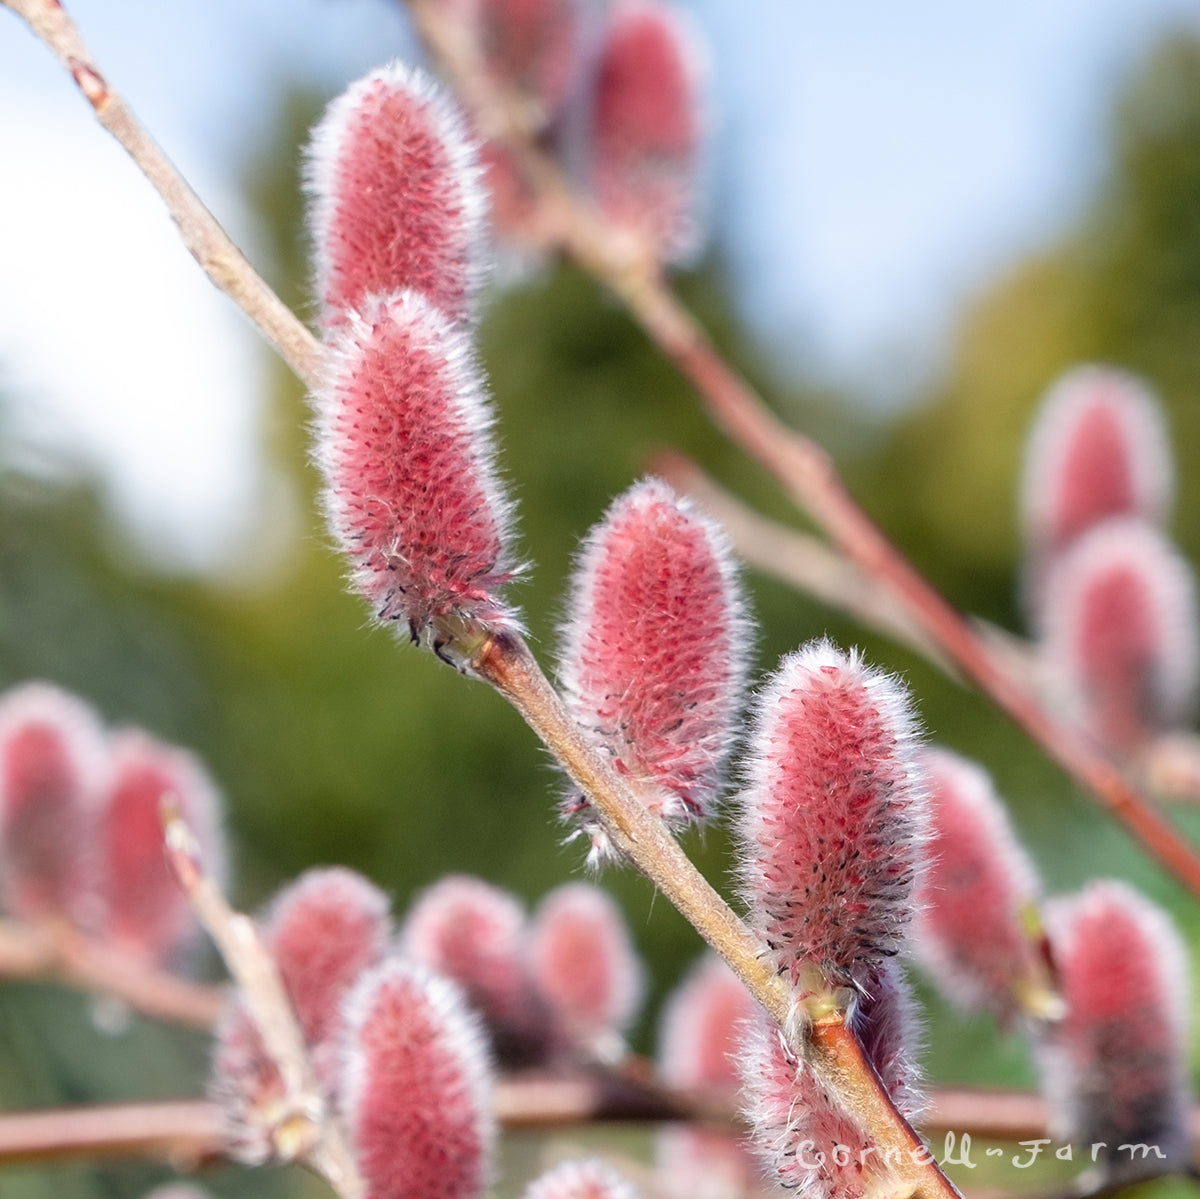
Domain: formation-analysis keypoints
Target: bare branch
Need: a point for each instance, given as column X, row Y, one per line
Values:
column 183, row 1133
column 63, row 955
column 187, row 1132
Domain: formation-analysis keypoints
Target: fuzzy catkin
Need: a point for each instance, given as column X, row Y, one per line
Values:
column 645, row 126
column 145, row 913
column 1120, row 642
column 1114, row 1068
column 53, row 771
column 396, row 200
column 978, row 890
column 834, row 817
column 582, row 962
column 654, row 650
column 476, row 934
column 412, row 493
column 416, row 1087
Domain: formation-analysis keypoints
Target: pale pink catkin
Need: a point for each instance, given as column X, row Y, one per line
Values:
column 646, row 125
column 245, row 1086
column 1120, row 642
column 702, row 1027
column 977, row 891
column 416, row 1087
column 532, row 46
column 582, row 962
column 396, row 198
column 834, row 816
column 885, row 1021
column 1115, row 1068
column 53, row 770
column 324, row 930
column 701, row 1032
column 1098, row 448
column 145, row 912
column 806, row 1140
column 412, row 495
column 654, row 649
column 475, row 933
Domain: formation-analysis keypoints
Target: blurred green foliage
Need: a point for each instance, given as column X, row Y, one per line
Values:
column 334, row 743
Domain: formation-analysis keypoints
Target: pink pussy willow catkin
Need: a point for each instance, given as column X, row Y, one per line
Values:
column 978, row 891
column 1097, row 449
column 1120, row 639
column 834, row 816
column 145, row 912
column 1115, row 1068
column 323, row 931
column 416, row 1087
column 53, row 770
column 411, row 489
column 654, row 649
column 476, row 934
column 645, row 126
column 396, row 198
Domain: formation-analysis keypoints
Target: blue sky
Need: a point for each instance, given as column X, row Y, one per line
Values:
column 874, row 162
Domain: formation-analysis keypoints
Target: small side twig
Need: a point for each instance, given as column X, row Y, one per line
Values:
column 65, row 956
column 183, row 1133
column 311, row 1133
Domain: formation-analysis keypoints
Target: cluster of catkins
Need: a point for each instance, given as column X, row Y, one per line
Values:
column 403, row 1028
column 837, row 807
column 654, row 649
column 1099, row 979
column 81, row 830
column 1111, row 601
column 611, row 96
column 398, row 218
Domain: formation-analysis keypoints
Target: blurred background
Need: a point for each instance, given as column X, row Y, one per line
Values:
column 919, row 215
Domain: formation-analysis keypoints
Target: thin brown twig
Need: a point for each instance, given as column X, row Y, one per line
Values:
column 184, row 1133
column 309, row 1131
column 798, row 559
column 65, row 956
column 187, row 1133
column 802, row 468
column 201, row 232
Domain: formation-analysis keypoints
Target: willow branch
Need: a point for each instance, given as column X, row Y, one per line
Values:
column 64, row 956
column 810, row 479
column 200, row 231
column 309, row 1132
column 186, row 1133
column 182, row 1133
column 506, row 662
